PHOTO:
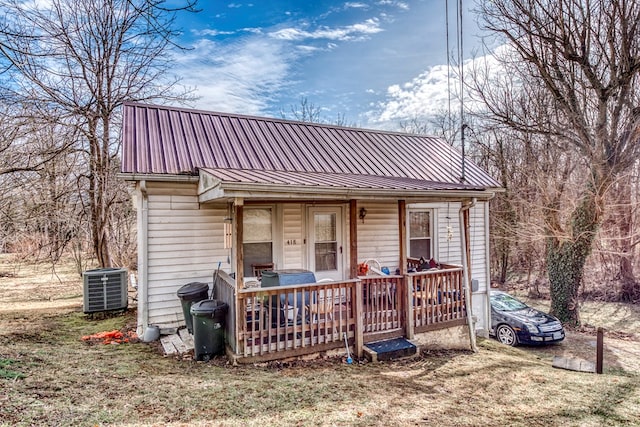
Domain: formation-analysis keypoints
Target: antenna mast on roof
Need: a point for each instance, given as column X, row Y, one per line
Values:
column 461, row 70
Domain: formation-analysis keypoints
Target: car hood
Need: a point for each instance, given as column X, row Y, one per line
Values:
column 531, row 315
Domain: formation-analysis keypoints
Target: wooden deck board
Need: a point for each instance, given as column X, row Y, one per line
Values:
column 167, row 345
column 186, row 338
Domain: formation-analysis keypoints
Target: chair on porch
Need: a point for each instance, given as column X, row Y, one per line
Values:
column 325, row 302
column 258, row 268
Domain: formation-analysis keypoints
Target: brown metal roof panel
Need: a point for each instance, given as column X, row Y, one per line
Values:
column 215, row 142
column 312, row 179
column 156, row 156
column 202, row 140
column 166, row 144
column 269, row 153
column 342, row 157
column 171, row 140
column 281, row 155
column 226, row 142
column 379, row 161
column 255, row 148
column 310, row 146
column 304, row 161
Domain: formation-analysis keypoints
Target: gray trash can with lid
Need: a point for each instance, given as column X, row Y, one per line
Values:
column 209, row 319
column 190, row 294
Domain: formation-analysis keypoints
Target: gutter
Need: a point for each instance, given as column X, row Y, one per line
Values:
column 294, row 192
column 143, row 270
column 158, row 177
column 488, row 267
column 466, row 270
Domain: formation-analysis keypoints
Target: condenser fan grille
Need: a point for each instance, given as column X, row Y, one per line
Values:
column 105, row 289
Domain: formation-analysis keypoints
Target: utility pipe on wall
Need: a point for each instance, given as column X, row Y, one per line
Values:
column 466, row 269
column 143, row 272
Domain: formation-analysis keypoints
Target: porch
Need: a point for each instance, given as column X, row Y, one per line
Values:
column 268, row 323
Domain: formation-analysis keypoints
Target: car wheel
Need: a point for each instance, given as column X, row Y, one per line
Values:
column 506, row 335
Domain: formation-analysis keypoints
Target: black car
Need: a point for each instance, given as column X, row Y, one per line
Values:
column 513, row 322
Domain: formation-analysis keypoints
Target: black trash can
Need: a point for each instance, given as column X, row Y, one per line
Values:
column 208, row 327
column 190, row 294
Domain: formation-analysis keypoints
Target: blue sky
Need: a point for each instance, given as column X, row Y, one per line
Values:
column 376, row 62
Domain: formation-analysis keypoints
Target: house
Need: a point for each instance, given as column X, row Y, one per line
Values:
column 223, row 197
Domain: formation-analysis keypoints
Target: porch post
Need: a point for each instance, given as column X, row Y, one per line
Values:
column 407, row 302
column 359, row 332
column 238, row 243
column 402, row 233
column 353, row 239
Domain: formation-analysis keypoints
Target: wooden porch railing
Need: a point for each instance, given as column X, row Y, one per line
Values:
column 224, row 289
column 436, row 298
column 285, row 321
column 293, row 320
column 382, row 308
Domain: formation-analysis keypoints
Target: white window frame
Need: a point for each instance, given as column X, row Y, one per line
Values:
column 433, row 228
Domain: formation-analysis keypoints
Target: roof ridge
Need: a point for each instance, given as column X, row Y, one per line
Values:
column 277, row 120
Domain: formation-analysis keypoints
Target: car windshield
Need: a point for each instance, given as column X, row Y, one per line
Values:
column 504, row 302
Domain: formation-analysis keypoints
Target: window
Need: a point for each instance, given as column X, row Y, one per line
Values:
column 326, row 242
column 257, row 241
column 420, row 242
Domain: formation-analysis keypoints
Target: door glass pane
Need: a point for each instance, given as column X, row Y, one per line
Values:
column 326, row 246
column 326, row 256
column 325, row 224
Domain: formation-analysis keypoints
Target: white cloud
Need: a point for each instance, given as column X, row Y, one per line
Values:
column 423, row 96
column 429, row 94
column 212, row 33
column 355, row 5
column 353, row 32
column 397, row 3
column 239, row 78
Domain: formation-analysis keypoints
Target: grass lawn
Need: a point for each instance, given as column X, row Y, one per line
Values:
column 50, row 376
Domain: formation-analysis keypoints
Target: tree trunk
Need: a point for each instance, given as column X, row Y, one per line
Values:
column 566, row 260
column 624, row 221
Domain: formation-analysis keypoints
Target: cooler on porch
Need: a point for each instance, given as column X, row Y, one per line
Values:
column 284, row 278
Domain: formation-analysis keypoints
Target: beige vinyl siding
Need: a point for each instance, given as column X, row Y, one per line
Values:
column 477, row 235
column 185, row 243
column 378, row 236
column 479, row 251
column 449, row 249
column 293, row 236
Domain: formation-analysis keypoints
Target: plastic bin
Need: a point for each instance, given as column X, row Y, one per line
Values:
column 208, row 328
column 284, row 278
column 190, row 294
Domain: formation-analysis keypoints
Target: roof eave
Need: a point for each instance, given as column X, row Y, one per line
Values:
column 157, row 177
column 228, row 191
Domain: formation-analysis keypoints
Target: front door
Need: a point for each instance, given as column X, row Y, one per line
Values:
column 326, row 254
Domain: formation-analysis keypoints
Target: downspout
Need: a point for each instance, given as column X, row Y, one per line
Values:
column 466, row 270
column 143, row 271
column 488, row 267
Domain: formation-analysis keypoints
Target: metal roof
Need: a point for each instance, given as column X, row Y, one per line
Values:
column 161, row 140
column 316, row 179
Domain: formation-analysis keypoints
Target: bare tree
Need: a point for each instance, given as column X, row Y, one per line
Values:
column 74, row 62
column 309, row 112
column 579, row 64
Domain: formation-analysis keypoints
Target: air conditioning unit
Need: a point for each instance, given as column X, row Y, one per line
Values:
column 105, row 289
